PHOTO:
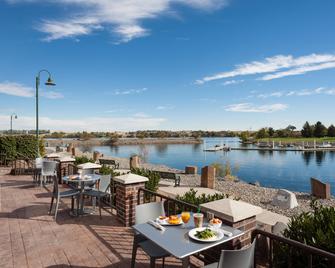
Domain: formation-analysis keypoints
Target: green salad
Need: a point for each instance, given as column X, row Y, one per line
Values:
column 205, row 234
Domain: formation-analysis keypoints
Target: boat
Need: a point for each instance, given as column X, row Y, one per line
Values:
column 217, row 148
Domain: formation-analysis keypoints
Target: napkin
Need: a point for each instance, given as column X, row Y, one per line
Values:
column 156, row 225
column 229, row 234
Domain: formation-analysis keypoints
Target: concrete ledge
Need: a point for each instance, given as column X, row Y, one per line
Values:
column 271, row 218
column 232, row 210
column 130, row 178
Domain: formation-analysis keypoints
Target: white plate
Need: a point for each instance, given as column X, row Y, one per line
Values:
column 219, row 234
column 166, row 222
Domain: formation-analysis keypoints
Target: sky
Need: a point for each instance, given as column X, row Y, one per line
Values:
column 167, row 64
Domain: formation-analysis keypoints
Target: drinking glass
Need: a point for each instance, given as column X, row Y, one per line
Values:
column 185, row 217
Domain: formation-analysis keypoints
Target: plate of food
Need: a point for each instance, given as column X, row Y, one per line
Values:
column 171, row 220
column 206, row 234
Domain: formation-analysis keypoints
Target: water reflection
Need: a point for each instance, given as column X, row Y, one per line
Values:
column 196, row 147
column 161, row 149
column 307, row 156
column 319, row 157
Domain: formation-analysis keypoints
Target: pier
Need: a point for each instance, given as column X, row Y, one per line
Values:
column 330, row 149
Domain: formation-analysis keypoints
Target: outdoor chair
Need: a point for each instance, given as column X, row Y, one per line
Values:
column 56, row 194
column 37, row 169
column 144, row 213
column 49, row 169
column 101, row 192
column 242, row 258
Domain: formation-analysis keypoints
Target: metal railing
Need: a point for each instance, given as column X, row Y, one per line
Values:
column 293, row 248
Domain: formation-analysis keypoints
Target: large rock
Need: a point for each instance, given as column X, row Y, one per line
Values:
column 285, row 199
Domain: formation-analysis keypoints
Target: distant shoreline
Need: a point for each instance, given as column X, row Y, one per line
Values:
column 121, row 141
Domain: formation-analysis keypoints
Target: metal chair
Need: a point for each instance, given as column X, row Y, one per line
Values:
column 56, row 194
column 143, row 213
column 49, row 169
column 242, row 258
column 101, row 192
column 37, row 169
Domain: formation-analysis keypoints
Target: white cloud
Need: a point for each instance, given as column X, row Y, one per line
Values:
column 129, row 91
column 299, row 93
column 19, row 90
column 121, row 17
column 16, row 89
column 251, row 108
column 164, row 107
column 232, row 82
column 277, row 67
column 87, row 123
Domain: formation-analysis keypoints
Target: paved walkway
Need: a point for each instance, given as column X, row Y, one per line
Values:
column 29, row 237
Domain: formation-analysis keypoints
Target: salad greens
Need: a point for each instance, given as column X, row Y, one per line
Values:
column 205, row 234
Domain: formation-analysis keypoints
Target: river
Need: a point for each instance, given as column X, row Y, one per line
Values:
column 289, row 170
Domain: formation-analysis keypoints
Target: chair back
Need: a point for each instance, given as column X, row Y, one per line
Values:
column 55, row 182
column 243, row 258
column 148, row 211
column 104, row 183
column 49, row 168
column 38, row 162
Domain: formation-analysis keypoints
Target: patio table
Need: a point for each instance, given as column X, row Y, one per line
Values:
column 175, row 239
column 79, row 180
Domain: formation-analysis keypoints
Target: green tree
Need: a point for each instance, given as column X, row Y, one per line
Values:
column 320, row 130
column 262, row 133
column 271, row 131
column 331, row 131
column 307, row 130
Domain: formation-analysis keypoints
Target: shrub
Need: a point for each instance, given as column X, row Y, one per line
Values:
column 154, row 177
column 192, row 198
column 82, row 159
column 15, row 146
column 105, row 170
column 225, row 170
column 315, row 228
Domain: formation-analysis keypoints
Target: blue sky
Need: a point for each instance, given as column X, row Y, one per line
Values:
column 168, row 64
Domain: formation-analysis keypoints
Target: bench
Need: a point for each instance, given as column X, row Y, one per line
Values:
column 109, row 162
column 170, row 176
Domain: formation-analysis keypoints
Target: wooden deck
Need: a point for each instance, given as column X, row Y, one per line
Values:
column 29, row 237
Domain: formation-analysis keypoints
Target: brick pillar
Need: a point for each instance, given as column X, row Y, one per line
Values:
column 69, row 148
column 73, row 151
column 191, row 170
column 208, row 177
column 127, row 187
column 134, row 162
column 96, row 155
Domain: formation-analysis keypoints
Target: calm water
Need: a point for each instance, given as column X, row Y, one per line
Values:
column 289, row 170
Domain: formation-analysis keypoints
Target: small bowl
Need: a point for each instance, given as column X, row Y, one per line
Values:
column 215, row 225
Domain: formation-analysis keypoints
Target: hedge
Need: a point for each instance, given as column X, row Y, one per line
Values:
column 16, row 146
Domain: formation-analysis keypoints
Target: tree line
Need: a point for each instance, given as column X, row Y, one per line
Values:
column 317, row 130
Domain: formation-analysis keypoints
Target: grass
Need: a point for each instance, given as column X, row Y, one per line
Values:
column 291, row 139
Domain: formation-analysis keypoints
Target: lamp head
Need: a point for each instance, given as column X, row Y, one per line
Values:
column 15, row 117
column 50, row 82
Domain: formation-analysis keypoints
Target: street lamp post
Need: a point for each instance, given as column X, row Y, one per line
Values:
column 13, row 115
column 49, row 82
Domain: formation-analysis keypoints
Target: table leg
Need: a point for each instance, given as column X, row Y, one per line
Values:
column 81, row 199
column 186, row 262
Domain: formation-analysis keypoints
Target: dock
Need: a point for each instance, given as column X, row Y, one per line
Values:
column 324, row 149
column 217, row 148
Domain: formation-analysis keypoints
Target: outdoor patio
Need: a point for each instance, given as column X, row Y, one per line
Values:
column 31, row 238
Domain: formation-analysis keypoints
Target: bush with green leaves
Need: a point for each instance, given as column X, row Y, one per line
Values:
column 82, row 160
column 193, row 198
column 107, row 170
column 315, row 228
column 20, row 146
column 154, row 178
